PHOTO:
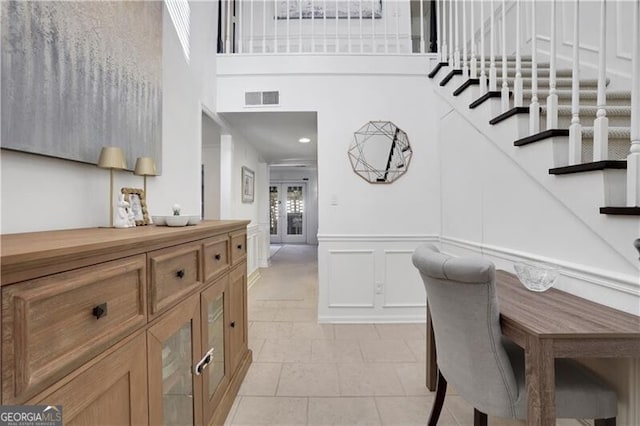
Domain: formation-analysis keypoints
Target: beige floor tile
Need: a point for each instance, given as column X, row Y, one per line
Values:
column 386, row 350
column 355, row 331
column 285, row 350
column 258, row 410
column 311, row 330
column 297, row 315
column 270, row 330
column 343, row 411
column 369, row 379
column 409, row 410
column 258, row 313
column 255, row 344
column 418, row 348
column 335, row 351
column 308, row 380
column 261, row 379
column 400, row 331
column 413, row 378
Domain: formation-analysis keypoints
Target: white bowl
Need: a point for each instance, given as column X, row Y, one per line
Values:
column 536, row 276
column 193, row 219
column 159, row 220
column 177, row 220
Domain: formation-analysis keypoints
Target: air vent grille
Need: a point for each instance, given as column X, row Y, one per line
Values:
column 262, row 98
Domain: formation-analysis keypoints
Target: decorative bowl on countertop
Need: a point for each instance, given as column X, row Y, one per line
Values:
column 536, row 276
column 177, row 220
column 159, row 220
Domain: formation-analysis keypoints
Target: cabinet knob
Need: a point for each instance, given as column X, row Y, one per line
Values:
column 217, row 256
column 239, row 246
column 180, row 273
column 100, row 310
column 233, row 324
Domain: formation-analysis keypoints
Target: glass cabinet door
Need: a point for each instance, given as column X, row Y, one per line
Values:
column 173, row 346
column 214, row 302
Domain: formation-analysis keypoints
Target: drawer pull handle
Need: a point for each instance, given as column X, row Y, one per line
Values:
column 239, row 246
column 217, row 256
column 233, row 324
column 100, row 310
column 203, row 363
column 180, row 273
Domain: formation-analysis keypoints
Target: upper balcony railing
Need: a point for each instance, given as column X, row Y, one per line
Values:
column 327, row 26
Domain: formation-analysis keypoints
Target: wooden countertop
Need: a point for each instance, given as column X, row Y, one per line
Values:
column 28, row 255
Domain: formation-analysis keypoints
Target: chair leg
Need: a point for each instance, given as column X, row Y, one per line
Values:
column 605, row 422
column 441, row 390
column 479, row 418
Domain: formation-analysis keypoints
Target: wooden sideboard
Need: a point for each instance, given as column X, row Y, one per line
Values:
column 145, row 325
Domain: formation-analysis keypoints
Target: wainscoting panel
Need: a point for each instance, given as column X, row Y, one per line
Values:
column 351, row 282
column 403, row 286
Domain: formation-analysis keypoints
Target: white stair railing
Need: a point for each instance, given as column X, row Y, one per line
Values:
column 264, row 25
column 227, row 40
column 633, row 159
column 456, row 54
column 324, row 26
column 483, row 74
column 275, row 28
column 473, row 62
column 452, row 62
column 517, row 83
column 552, row 99
column 443, row 23
column 601, row 123
column 288, row 26
column 465, row 64
column 575, row 129
column 493, row 72
column 534, row 106
column 421, row 26
column 439, row 29
column 504, row 93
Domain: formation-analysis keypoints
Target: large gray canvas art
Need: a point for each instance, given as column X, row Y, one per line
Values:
column 77, row 76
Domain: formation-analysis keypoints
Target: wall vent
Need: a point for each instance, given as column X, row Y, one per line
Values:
column 262, row 98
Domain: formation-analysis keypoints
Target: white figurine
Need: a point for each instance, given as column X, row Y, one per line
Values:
column 132, row 217
column 122, row 214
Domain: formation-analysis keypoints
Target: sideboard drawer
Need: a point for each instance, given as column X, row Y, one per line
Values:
column 52, row 325
column 173, row 273
column 216, row 256
column 238, row 247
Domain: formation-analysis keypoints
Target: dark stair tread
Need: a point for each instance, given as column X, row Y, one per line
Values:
column 449, row 76
column 627, row 211
column 481, row 99
column 435, row 69
column 510, row 113
column 470, row 82
column 541, row 136
column 589, row 167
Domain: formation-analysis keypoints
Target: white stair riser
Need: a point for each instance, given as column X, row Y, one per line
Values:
column 618, row 150
column 566, row 100
column 587, row 120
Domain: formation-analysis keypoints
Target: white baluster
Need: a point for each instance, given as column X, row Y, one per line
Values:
column 300, row 49
column 264, row 24
column 227, row 43
column 534, row 106
column 439, row 30
column 601, row 123
column 349, row 25
column 386, row 31
column 360, row 24
column 451, row 45
column 445, row 51
column 275, row 26
column 397, row 26
column 493, row 72
column 504, row 95
column 575, row 129
column 288, row 32
column 456, row 54
column 337, row 30
column 239, row 26
column 251, row 24
column 374, row 49
column 465, row 64
column 633, row 159
column 473, row 62
column 517, row 83
column 483, row 72
column 421, row 26
column 552, row 99
column 313, row 27
column 324, row 25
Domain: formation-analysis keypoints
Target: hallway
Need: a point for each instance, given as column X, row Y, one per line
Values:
column 341, row 374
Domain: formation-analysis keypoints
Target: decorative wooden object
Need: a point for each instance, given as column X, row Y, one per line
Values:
column 98, row 320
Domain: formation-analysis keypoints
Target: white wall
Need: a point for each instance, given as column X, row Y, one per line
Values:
column 365, row 230
column 284, row 174
column 41, row 193
column 211, row 165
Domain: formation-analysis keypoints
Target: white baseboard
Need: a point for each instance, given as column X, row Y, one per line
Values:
column 368, row 319
column 253, row 278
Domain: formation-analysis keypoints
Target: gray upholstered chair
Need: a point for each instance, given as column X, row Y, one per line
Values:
column 485, row 368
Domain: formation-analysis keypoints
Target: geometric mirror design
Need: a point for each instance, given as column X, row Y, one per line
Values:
column 380, row 152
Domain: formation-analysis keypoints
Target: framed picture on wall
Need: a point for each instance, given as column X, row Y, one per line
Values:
column 248, row 184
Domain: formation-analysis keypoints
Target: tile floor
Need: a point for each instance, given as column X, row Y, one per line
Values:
column 305, row 373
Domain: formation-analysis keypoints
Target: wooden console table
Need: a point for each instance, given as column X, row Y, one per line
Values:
column 549, row 325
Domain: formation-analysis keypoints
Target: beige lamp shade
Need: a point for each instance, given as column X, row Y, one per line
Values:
column 112, row 157
column 145, row 166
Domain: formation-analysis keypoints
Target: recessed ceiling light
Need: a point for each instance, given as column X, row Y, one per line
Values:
column 304, row 140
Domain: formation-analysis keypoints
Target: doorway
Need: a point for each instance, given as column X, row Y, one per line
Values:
column 288, row 218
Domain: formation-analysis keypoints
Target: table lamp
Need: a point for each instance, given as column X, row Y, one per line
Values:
column 111, row 157
column 145, row 166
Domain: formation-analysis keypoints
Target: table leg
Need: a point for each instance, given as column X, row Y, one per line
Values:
column 540, row 375
column 432, row 362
